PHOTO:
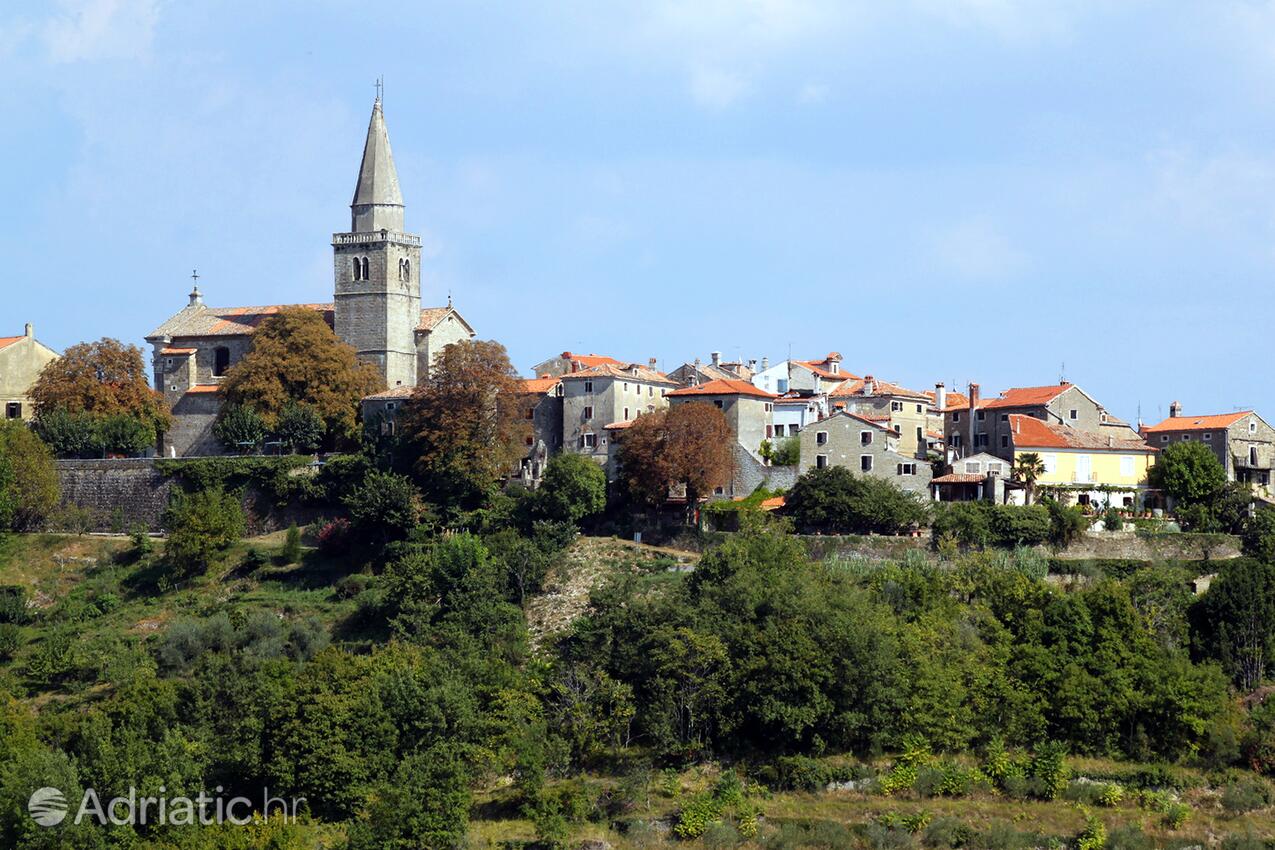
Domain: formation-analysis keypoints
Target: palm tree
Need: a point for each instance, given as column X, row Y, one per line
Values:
column 1028, row 466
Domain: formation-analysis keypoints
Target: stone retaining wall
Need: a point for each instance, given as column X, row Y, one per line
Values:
column 119, row 494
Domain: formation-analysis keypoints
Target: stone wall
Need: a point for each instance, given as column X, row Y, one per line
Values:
column 120, row 494
column 1130, row 545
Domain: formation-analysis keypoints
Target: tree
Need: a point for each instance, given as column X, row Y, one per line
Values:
column 463, row 427
column 296, row 359
column 835, row 499
column 1259, row 535
column 1028, row 467
column 688, row 445
column 425, row 805
column 384, row 506
column 199, row 526
column 95, row 381
column 300, row 428
column 574, row 487
column 239, row 428
column 28, row 479
column 1188, row 472
column 1235, row 620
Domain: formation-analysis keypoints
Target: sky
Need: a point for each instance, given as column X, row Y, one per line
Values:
column 940, row 190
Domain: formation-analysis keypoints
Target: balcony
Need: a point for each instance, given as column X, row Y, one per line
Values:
column 376, row 236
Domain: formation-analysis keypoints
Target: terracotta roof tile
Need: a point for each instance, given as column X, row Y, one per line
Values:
column 6, row 341
column 1198, row 423
column 539, row 386
column 879, row 388
column 198, row 320
column 1028, row 432
column 200, row 389
column 591, row 360
column 723, row 387
column 391, row 394
column 632, row 372
column 176, row 352
column 959, row 478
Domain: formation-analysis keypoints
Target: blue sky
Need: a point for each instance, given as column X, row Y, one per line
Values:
column 939, row 189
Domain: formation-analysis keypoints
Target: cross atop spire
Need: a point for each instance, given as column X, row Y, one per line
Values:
column 380, row 88
column 378, row 203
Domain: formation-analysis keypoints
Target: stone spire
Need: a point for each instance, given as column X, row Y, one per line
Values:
column 378, row 203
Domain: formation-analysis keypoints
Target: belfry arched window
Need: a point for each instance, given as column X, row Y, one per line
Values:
column 365, row 276
column 357, row 269
column 407, row 270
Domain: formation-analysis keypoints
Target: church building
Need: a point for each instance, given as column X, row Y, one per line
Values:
column 376, row 309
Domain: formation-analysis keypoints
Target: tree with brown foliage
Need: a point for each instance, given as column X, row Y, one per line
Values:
column 104, row 379
column 296, row 359
column 688, row 445
column 463, row 428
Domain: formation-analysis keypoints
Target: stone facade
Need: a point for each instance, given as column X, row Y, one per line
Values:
column 119, row 494
column 1242, row 441
column 865, row 447
column 600, row 396
column 903, row 410
column 982, row 425
column 22, row 358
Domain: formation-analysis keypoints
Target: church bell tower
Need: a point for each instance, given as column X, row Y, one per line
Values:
column 377, row 266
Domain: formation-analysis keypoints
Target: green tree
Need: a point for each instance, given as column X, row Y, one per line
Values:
column 833, row 499
column 384, row 506
column 1028, row 467
column 1235, row 620
column 1259, row 535
column 28, row 479
column 688, row 446
column 240, row 428
column 1189, row 472
column 300, row 428
column 425, row 804
column 574, row 488
column 199, row 526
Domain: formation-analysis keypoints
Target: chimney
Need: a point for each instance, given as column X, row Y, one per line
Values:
column 651, row 363
column 29, row 331
column 970, row 417
column 752, row 365
column 940, row 395
column 1064, row 383
column 765, row 363
column 869, row 385
column 717, row 358
column 1175, row 410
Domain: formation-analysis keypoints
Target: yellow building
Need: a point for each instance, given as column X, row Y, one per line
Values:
column 1094, row 468
column 22, row 358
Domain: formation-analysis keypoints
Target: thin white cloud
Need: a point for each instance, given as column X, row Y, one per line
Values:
column 715, row 88
column 100, row 29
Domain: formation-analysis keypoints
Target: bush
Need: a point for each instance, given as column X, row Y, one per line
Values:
column 291, row 551
column 574, row 488
column 239, row 428
column 1245, row 795
column 947, row 832
column 1066, row 524
column 10, row 640
column 835, row 500
column 13, row 605
column 28, row 479
column 300, row 428
column 201, row 525
column 980, row 524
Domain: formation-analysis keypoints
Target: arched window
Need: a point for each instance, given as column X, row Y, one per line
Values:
column 365, row 277
column 357, row 269
column 407, row 270
column 221, row 360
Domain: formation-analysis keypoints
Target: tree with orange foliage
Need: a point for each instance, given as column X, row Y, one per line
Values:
column 296, row 360
column 688, row 445
column 463, row 428
column 99, row 381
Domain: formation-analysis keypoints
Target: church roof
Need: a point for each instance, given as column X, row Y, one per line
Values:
column 378, row 179
column 6, row 341
column 432, row 317
column 200, row 320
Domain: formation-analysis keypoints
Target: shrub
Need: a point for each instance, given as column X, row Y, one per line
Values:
column 947, row 832
column 1093, row 836
column 10, row 640
column 1175, row 816
column 239, row 428
column 13, row 604
column 334, row 536
column 291, row 551
column 1111, row 520
column 1129, row 836
column 300, row 428
column 833, row 499
column 201, row 525
column 1245, row 795
column 574, row 488
column 1065, row 523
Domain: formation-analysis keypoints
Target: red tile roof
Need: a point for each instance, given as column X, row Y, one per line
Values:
column 723, row 387
column 174, row 351
column 539, row 386
column 1026, row 396
column 6, row 341
column 204, row 388
column 820, row 368
column 619, row 426
column 631, row 371
column 391, row 394
column 1198, row 423
column 879, row 388
column 959, row 478
column 589, row 360
column 1028, row 432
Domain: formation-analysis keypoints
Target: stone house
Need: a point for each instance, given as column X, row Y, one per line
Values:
column 696, row 373
column 542, row 405
column 22, row 359
column 568, row 362
column 975, row 478
column 904, row 410
column 598, row 396
column 865, row 447
column 376, row 309
column 1243, row 442
column 982, row 424
column 747, row 409
column 795, row 410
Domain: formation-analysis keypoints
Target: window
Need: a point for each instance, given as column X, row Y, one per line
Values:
column 865, row 463
column 1004, row 441
column 821, row 438
column 13, row 410
column 221, row 361
column 1084, row 468
column 650, row 391
column 1126, row 466
column 626, row 386
column 588, row 411
column 1164, row 438
column 995, row 469
column 1073, row 414
column 168, row 362
column 529, row 440
column 363, row 263
column 973, row 468
column 954, row 441
column 356, row 269
column 980, row 440
column 770, row 431
column 956, row 417
column 589, row 441
column 906, row 469
column 896, row 406
column 1051, row 463
column 719, row 491
column 821, row 461
column 920, row 409
column 769, row 407
column 1208, row 437
column 407, row 270
column 1186, row 438
column 1004, row 417
column 626, row 414
column 719, row 404
column 779, row 430
column 1252, row 455
column 981, row 415
column 588, row 386
column 898, row 429
column 1252, row 427
column 920, row 434
column 865, row 438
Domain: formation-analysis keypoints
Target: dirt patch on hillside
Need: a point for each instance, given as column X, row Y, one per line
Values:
column 585, row 565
